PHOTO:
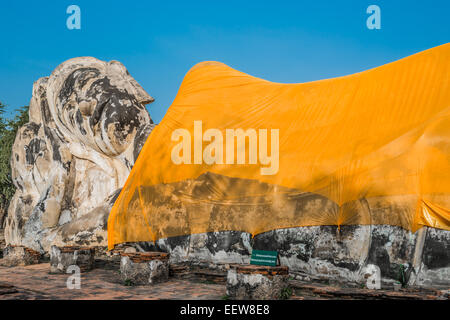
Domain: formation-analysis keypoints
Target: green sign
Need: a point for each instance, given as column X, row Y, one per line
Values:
column 264, row 258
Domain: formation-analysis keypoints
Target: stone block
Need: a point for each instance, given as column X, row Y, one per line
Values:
column 253, row 282
column 63, row 257
column 141, row 268
column 19, row 256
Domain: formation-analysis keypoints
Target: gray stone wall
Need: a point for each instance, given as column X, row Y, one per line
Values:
column 325, row 254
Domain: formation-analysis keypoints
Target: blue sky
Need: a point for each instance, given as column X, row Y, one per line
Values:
column 159, row 41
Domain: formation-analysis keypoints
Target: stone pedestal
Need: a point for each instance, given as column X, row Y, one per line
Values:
column 19, row 256
column 257, row 282
column 140, row 268
column 63, row 257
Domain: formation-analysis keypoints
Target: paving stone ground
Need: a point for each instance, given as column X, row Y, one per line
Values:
column 317, row 291
column 103, row 283
column 35, row 282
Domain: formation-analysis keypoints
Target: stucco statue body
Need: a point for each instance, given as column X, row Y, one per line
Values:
column 87, row 125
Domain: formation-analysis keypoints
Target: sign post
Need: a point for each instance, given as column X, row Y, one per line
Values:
column 264, row 258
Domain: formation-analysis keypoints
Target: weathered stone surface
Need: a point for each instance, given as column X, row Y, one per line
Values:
column 324, row 254
column 2, row 243
column 19, row 256
column 88, row 122
column 62, row 258
column 130, row 250
column 434, row 266
column 372, row 274
column 257, row 282
column 141, row 268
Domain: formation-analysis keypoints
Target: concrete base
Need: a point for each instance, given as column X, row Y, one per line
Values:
column 257, row 282
column 19, row 256
column 141, row 268
column 63, row 257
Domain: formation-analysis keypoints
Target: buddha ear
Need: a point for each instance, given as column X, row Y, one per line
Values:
column 141, row 95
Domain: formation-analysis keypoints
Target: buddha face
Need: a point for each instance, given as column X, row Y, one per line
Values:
column 98, row 102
